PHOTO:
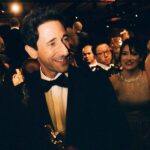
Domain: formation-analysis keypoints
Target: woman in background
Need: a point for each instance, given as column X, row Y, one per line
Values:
column 132, row 86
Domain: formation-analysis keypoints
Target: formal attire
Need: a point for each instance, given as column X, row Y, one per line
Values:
column 111, row 69
column 8, row 119
column 89, row 113
column 93, row 66
column 134, row 98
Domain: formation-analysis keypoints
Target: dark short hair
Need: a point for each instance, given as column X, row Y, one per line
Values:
column 34, row 19
column 134, row 44
column 97, row 43
column 14, row 22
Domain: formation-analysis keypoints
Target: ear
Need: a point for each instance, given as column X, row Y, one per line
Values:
column 31, row 51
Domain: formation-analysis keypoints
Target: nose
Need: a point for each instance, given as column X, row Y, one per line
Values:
column 86, row 56
column 106, row 54
column 64, row 48
column 129, row 56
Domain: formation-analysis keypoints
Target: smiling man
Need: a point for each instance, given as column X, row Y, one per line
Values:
column 64, row 105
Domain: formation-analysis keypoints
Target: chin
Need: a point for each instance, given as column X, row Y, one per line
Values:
column 129, row 68
column 64, row 69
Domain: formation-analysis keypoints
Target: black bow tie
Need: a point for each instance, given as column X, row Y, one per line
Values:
column 62, row 81
column 95, row 68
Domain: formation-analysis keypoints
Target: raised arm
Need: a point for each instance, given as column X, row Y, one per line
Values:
column 147, row 67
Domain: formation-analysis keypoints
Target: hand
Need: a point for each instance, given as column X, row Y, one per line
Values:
column 17, row 78
column 147, row 67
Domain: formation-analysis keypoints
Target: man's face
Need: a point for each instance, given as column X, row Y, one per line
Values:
column 103, row 54
column 88, row 55
column 52, row 52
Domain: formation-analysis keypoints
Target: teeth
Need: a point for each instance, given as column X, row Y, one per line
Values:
column 129, row 63
column 60, row 60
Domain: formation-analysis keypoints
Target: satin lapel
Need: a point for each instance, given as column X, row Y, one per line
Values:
column 38, row 100
column 74, row 98
column 71, row 92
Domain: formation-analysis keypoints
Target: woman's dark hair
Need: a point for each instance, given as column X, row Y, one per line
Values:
column 32, row 21
column 134, row 45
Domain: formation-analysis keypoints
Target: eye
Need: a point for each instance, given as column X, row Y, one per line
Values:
column 65, row 38
column 124, row 53
column 65, row 41
column 52, row 44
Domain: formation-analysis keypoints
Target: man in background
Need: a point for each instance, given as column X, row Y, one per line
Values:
column 88, row 57
column 103, row 55
column 14, row 45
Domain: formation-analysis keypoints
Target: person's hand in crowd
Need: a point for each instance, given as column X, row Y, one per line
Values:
column 17, row 78
column 147, row 67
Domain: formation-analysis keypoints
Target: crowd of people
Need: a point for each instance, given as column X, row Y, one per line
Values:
column 70, row 92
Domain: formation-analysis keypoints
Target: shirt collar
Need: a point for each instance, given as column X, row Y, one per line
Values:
column 44, row 77
column 92, row 65
column 104, row 66
column 15, row 28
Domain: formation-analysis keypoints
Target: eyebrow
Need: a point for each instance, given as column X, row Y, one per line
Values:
column 50, row 41
column 65, row 34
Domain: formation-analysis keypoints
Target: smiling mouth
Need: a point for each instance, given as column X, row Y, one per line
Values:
column 129, row 63
column 62, row 60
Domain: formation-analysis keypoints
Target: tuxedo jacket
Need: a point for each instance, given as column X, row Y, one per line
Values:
column 93, row 119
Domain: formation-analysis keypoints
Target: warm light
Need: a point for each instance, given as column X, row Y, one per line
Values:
column 115, row 19
column 16, row 8
column 108, row 1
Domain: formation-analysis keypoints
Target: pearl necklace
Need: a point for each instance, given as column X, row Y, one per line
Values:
column 131, row 80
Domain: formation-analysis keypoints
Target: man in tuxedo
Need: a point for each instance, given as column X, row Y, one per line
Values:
column 78, row 106
column 88, row 57
column 103, row 55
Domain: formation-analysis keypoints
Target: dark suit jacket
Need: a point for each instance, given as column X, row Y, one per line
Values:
column 94, row 120
column 7, row 119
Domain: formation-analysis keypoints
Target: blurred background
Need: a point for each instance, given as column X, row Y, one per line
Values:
column 101, row 17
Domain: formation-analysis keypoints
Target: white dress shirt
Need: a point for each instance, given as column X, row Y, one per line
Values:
column 56, row 99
